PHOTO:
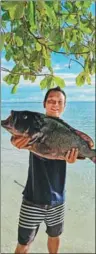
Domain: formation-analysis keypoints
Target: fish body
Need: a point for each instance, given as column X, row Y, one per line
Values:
column 50, row 137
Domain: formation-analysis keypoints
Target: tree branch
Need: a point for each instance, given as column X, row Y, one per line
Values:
column 25, row 73
column 70, row 53
column 64, row 53
column 76, row 62
column 48, row 47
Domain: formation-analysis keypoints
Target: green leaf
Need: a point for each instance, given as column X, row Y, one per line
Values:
column 19, row 41
column 47, row 82
column 74, row 35
column 15, row 79
column 86, row 4
column 31, row 13
column 29, row 50
column 43, row 83
column 77, row 3
column 59, row 81
column 32, row 78
column 68, row 5
column 8, row 79
column 16, row 68
column 2, row 39
column 80, row 79
column 7, row 5
column 56, row 6
column 48, row 64
column 16, row 9
column 12, row 79
column 71, row 19
column 50, row 12
column 8, row 37
column 44, row 51
column 25, row 76
column 8, row 55
column 88, row 79
column 38, row 46
column 85, row 28
column 19, row 11
column 14, row 89
column 50, row 83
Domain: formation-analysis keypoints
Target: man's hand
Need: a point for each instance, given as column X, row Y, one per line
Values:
column 72, row 155
column 20, row 142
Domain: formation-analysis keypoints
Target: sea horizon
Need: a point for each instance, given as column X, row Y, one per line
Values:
column 79, row 114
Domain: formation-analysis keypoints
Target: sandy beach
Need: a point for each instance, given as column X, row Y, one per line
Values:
column 79, row 233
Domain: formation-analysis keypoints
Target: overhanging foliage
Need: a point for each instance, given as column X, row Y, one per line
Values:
column 32, row 30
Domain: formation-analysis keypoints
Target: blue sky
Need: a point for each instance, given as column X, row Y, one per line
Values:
column 60, row 63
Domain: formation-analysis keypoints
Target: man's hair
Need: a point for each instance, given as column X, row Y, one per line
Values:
column 56, row 89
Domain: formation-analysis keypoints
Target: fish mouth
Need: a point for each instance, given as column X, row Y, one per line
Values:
column 8, row 124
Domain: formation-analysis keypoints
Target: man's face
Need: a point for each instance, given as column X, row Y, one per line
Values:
column 55, row 103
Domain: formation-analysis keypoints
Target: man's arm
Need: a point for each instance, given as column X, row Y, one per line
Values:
column 21, row 142
column 71, row 156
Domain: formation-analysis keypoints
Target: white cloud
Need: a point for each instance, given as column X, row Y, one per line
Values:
column 60, row 66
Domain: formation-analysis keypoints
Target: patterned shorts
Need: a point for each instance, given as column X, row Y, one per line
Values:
column 31, row 216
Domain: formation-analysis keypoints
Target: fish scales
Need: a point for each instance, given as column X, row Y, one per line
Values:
column 48, row 137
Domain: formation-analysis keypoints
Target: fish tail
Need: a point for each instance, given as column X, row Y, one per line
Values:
column 93, row 158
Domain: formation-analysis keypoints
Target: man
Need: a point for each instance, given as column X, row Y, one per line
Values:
column 44, row 193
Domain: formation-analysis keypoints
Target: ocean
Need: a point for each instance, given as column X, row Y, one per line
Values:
column 80, row 115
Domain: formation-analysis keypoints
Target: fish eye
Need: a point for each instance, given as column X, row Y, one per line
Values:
column 25, row 117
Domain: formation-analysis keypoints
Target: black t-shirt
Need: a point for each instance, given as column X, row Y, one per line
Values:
column 46, row 181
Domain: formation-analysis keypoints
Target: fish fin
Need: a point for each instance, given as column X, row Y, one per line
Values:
column 94, row 156
column 35, row 137
column 85, row 137
column 93, row 159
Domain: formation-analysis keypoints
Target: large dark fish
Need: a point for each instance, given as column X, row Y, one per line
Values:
column 50, row 137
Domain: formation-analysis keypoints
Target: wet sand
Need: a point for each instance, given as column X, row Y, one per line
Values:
column 79, row 232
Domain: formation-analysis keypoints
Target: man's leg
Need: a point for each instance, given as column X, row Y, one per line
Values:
column 25, row 238
column 30, row 219
column 55, row 224
column 22, row 248
column 53, row 244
